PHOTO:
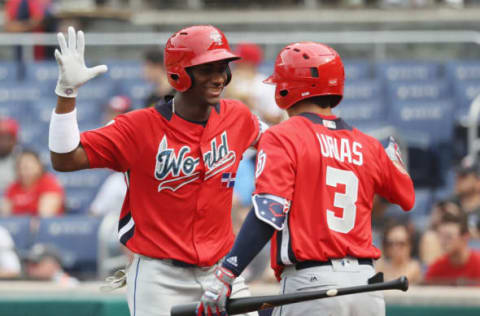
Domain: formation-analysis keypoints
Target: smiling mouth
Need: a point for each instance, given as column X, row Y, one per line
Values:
column 215, row 91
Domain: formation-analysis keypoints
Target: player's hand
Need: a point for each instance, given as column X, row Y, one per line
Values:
column 72, row 72
column 214, row 299
column 393, row 152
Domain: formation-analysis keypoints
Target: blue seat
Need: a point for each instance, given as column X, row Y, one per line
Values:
column 97, row 90
column 90, row 113
column 431, row 118
column 89, row 179
column 78, row 200
column 35, row 135
column 16, row 92
column 357, row 70
column 20, row 111
column 362, row 90
column 465, row 92
column 41, row 109
column 19, row 228
column 137, row 90
column 8, row 71
column 407, row 70
column 74, row 236
column 43, row 74
column 363, row 112
column 417, row 90
column 463, row 70
column 124, row 70
column 427, row 126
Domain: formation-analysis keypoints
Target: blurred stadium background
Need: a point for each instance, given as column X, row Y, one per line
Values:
column 412, row 69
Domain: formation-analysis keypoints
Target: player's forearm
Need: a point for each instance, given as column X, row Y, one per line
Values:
column 251, row 239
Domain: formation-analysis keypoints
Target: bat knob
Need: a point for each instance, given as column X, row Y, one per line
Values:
column 403, row 283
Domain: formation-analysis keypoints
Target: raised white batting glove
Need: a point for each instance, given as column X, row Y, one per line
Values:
column 393, row 152
column 214, row 299
column 72, row 72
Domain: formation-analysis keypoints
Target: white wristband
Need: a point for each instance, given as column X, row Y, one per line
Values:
column 63, row 135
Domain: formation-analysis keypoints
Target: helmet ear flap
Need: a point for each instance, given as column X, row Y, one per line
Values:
column 179, row 79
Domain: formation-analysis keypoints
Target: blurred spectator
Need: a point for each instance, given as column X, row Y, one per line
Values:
column 9, row 262
column 8, row 142
column 44, row 263
column 118, row 104
column 248, row 87
column 397, row 258
column 467, row 191
column 430, row 245
column 154, row 72
column 35, row 191
column 31, row 16
column 460, row 265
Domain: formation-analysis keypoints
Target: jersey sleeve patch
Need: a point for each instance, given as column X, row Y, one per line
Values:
column 271, row 209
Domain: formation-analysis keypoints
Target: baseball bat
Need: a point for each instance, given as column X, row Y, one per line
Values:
column 249, row 304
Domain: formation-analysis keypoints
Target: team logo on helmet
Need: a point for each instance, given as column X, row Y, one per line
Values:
column 216, row 37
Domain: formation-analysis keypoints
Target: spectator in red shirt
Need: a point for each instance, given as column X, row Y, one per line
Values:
column 30, row 16
column 35, row 191
column 460, row 265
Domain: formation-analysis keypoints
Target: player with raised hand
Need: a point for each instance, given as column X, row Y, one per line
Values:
column 316, row 178
column 179, row 159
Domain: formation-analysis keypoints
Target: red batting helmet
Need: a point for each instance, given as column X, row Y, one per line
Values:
column 192, row 46
column 304, row 70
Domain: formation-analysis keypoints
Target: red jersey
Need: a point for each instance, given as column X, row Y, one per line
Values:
column 329, row 172
column 180, row 178
column 443, row 272
column 25, row 200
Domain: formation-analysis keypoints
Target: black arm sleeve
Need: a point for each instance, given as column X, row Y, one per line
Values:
column 251, row 239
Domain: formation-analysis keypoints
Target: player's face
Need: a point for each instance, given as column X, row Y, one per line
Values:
column 209, row 81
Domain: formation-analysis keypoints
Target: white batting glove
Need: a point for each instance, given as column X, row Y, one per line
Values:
column 214, row 299
column 72, row 72
column 393, row 152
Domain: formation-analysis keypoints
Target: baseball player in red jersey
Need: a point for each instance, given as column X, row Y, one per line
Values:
column 179, row 159
column 316, row 178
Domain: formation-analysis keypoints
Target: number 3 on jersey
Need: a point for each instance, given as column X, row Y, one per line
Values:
column 345, row 201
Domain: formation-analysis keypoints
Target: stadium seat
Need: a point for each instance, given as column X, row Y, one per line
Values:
column 362, row 90
column 75, row 237
column 89, row 179
column 427, row 127
column 465, row 92
column 19, row 110
column 8, row 71
column 97, row 90
column 432, row 118
column 362, row 113
column 407, row 70
column 124, row 70
column 417, row 90
column 90, row 114
column 19, row 228
column 78, row 200
column 43, row 74
column 137, row 90
column 34, row 135
column 19, row 92
column 357, row 70
column 463, row 70
column 42, row 108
